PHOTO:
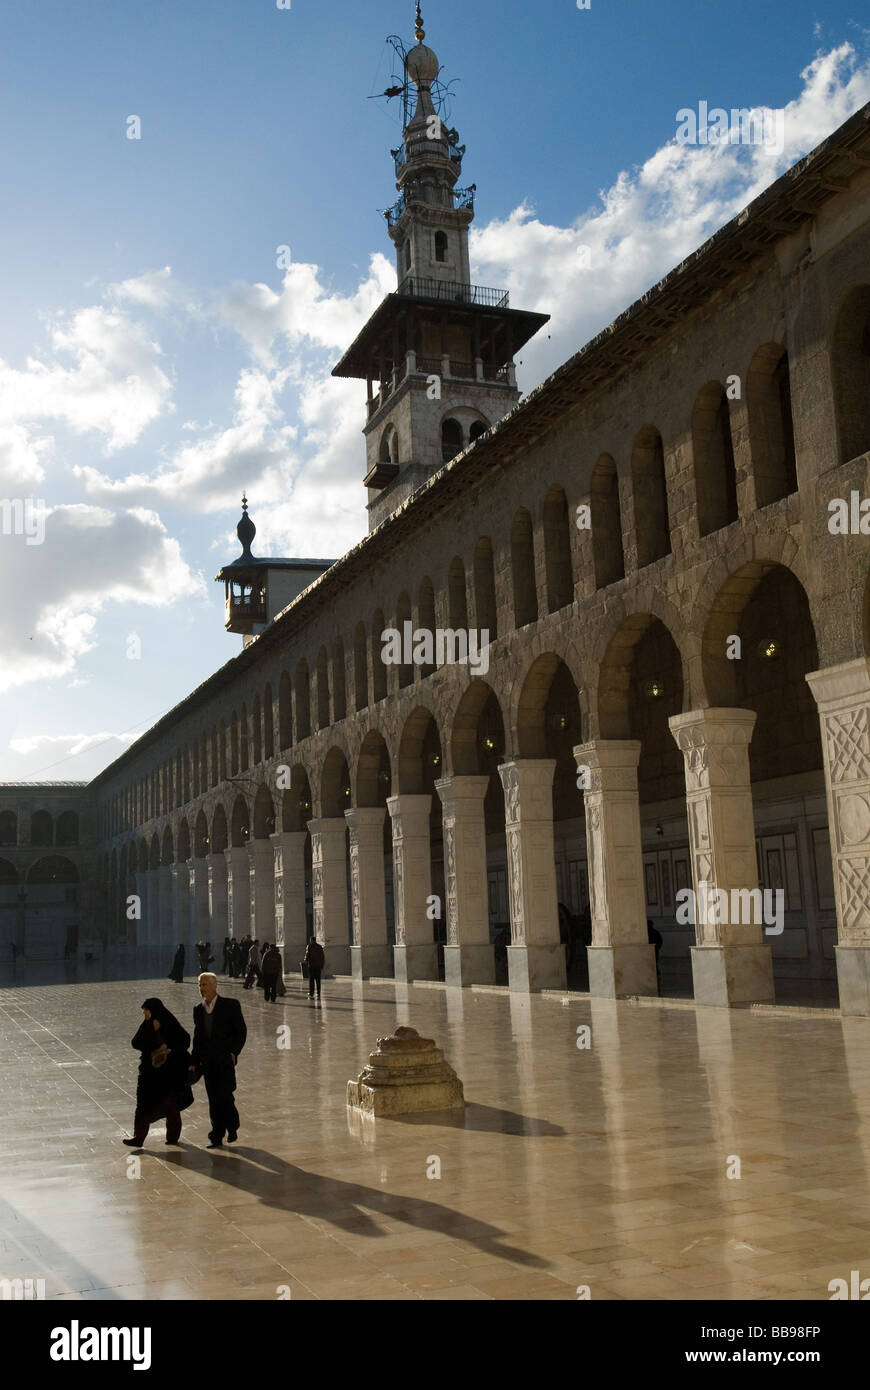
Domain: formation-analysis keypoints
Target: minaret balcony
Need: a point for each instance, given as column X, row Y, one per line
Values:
column 244, row 609
column 462, row 200
column 426, row 287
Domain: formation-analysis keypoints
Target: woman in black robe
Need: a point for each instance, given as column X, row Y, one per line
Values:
column 163, row 1088
column 177, row 971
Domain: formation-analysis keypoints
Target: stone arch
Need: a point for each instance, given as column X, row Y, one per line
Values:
column 713, row 459
column 360, row 667
column 296, row 801
column 167, row 848
column 264, row 813
column 426, row 619
column 219, row 838
column 8, row 873
column 323, row 719
column 557, row 550
column 419, row 747
column 608, row 555
column 379, row 670
column 771, row 428
column 388, row 450
column 154, row 852
column 268, row 724
column 142, row 857
column 650, row 492
column 53, row 868
column 451, row 439
column 285, row 713
column 339, row 689
column 523, row 570
column 335, row 784
column 303, row 701
column 614, row 687
column 240, row 828
column 403, row 615
column 234, row 744
column 257, row 730
column 484, row 587
column 374, row 778
column 183, row 840
column 200, row 836
column 469, row 754
column 457, row 596
column 850, row 370
column 41, row 829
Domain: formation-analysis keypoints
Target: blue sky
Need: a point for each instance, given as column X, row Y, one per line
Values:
column 153, row 358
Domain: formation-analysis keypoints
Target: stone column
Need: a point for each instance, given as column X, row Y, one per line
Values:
column 164, row 935
column 730, row 963
column 141, row 927
column 536, row 957
column 621, row 960
column 369, row 955
column 469, row 957
column 261, row 871
column 329, row 891
column 291, row 924
column 218, row 918
column 414, row 954
column 181, row 905
column 238, row 891
column 843, row 696
column 200, row 917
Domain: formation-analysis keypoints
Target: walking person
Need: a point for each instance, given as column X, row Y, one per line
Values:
column 273, row 970
column 202, row 952
column 253, row 965
column 225, row 964
column 163, row 1087
column 219, row 1035
column 177, row 971
column 315, row 960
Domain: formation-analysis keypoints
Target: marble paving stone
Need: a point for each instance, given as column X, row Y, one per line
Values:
column 604, row 1167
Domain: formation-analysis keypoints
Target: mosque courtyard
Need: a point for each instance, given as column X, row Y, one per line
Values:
column 671, row 1152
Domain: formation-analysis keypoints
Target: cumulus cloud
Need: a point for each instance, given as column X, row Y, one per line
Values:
column 89, row 557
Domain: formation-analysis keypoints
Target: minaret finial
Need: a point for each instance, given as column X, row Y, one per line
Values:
column 244, row 501
column 419, row 32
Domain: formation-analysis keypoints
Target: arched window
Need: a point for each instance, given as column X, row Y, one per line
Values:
column 771, row 432
column 257, row 729
column 389, row 450
column 379, row 670
column 607, row 551
column 484, row 588
column 67, row 828
column 715, row 476
column 285, row 712
column 441, row 247
column 269, row 725
column 523, row 570
column 360, row 667
column 8, row 828
column 322, row 689
column 850, row 352
column 41, row 828
column 339, row 691
column 451, row 439
column 403, row 615
column 650, row 497
column 457, row 596
column 557, row 551
column 478, row 428
column 426, row 616
column 303, row 701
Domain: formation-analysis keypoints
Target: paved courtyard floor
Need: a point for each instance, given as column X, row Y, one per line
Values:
column 603, row 1166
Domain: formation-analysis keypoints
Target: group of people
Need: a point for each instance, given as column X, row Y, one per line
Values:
column 169, row 1067
column 260, row 965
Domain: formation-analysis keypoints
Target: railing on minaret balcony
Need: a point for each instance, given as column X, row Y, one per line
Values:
column 245, row 602
column 426, row 287
column 462, row 198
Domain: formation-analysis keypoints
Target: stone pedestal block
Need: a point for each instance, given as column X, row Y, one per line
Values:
column 415, row 963
column 469, row 965
column 407, row 1074
column 536, row 967
column 617, row 971
column 367, row 962
column 853, row 978
column 727, row 975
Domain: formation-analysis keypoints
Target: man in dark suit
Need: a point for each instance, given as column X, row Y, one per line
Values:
column 219, row 1035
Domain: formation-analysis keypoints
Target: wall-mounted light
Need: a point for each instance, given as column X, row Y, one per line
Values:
column 436, row 759
column 347, row 791
column 770, row 649
column 560, row 722
column 489, row 745
column 659, row 830
column 654, row 690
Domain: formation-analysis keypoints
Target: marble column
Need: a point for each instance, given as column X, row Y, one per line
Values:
column 329, row 891
column 731, row 964
column 261, row 869
column 369, row 955
column 469, row 956
column 218, row 916
column 181, row 905
column 842, row 694
column 536, row 956
column 414, row 954
column 200, row 922
column 238, row 891
column 621, row 960
column 164, row 935
column 291, row 923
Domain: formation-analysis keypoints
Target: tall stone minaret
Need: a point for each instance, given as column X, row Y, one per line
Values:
column 438, row 354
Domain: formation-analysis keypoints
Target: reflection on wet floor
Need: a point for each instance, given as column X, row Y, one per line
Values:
column 604, row 1166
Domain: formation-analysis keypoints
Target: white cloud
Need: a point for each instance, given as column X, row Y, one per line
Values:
column 89, row 558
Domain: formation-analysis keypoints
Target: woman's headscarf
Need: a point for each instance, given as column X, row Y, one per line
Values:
column 159, row 1011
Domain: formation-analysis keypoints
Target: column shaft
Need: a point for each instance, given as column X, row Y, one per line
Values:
column 329, row 891
column 238, row 892
column 536, row 957
column 414, row 954
column 469, row 957
column 370, row 954
column 291, row 921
